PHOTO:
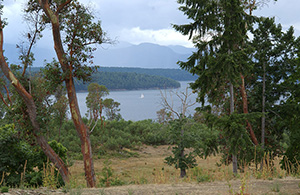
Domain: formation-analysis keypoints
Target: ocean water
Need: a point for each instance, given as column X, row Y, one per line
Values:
column 138, row 105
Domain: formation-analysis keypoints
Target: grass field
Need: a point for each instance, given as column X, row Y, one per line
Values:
column 146, row 173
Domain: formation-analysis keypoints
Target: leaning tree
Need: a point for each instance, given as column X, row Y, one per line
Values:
column 75, row 34
column 30, row 112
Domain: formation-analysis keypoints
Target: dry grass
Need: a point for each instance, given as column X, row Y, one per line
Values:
column 149, row 168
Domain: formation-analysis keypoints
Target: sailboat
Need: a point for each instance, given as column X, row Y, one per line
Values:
column 142, row 96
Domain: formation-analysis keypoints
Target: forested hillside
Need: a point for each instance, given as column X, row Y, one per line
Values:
column 134, row 78
column 128, row 81
column 176, row 74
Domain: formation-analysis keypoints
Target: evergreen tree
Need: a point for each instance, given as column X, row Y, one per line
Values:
column 274, row 85
column 219, row 31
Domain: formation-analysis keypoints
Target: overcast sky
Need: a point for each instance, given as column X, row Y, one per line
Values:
column 137, row 21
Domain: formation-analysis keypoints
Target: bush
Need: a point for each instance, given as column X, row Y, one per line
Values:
column 185, row 133
column 113, row 135
column 291, row 159
column 19, row 160
column 14, row 155
column 108, row 178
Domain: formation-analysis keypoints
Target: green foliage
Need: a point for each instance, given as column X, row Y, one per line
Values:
column 219, row 59
column 200, row 175
column 186, row 134
column 68, row 136
column 82, row 32
column 235, row 133
column 4, row 189
column 111, row 108
column 234, row 137
column 108, row 178
column 175, row 74
column 276, row 58
column 112, row 136
column 269, row 64
column 118, row 78
column 22, row 163
column 291, row 159
column 94, row 100
column 129, row 81
column 14, row 155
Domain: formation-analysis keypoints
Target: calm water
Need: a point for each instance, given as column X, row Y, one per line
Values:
column 142, row 104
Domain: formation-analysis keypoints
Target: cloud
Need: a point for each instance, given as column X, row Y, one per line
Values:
column 285, row 12
column 14, row 16
column 144, row 20
column 146, row 14
column 163, row 36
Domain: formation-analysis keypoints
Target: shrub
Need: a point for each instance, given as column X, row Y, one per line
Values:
column 19, row 160
column 291, row 159
column 108, row 178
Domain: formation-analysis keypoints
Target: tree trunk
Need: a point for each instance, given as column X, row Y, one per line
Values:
column 182, row 170
column 234, row 157
column 31, row 110
column 263, row 118
column 83, row 133
column 245, row 110
column 66, row 66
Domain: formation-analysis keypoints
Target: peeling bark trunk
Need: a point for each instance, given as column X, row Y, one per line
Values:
column 66, row 66
column 83, row 133
column 245, row 110
column 31, row 110
column 234, row 157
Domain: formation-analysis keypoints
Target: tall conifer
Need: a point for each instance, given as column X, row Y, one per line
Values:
column 218, row 29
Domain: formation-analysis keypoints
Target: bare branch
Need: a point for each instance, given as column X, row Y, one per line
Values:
column 91, row 131
column 32, row 40
column 167, row 105
column 184, row 99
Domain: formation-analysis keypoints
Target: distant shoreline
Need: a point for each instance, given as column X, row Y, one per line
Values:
column 138, row 89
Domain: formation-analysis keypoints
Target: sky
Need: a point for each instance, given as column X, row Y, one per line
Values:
column 138, row 21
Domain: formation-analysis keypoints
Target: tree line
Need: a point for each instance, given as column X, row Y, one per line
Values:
column 175, row 74
column 128, row 81
column 132, row 78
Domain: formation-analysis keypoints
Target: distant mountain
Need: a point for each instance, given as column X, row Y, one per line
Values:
column 144, row 55
column 40, row 54
column 181, row 50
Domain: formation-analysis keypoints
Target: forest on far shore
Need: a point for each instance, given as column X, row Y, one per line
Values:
column 118, row 78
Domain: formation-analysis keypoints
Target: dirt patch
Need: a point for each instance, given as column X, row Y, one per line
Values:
column 255, row 187
column 285, row 186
